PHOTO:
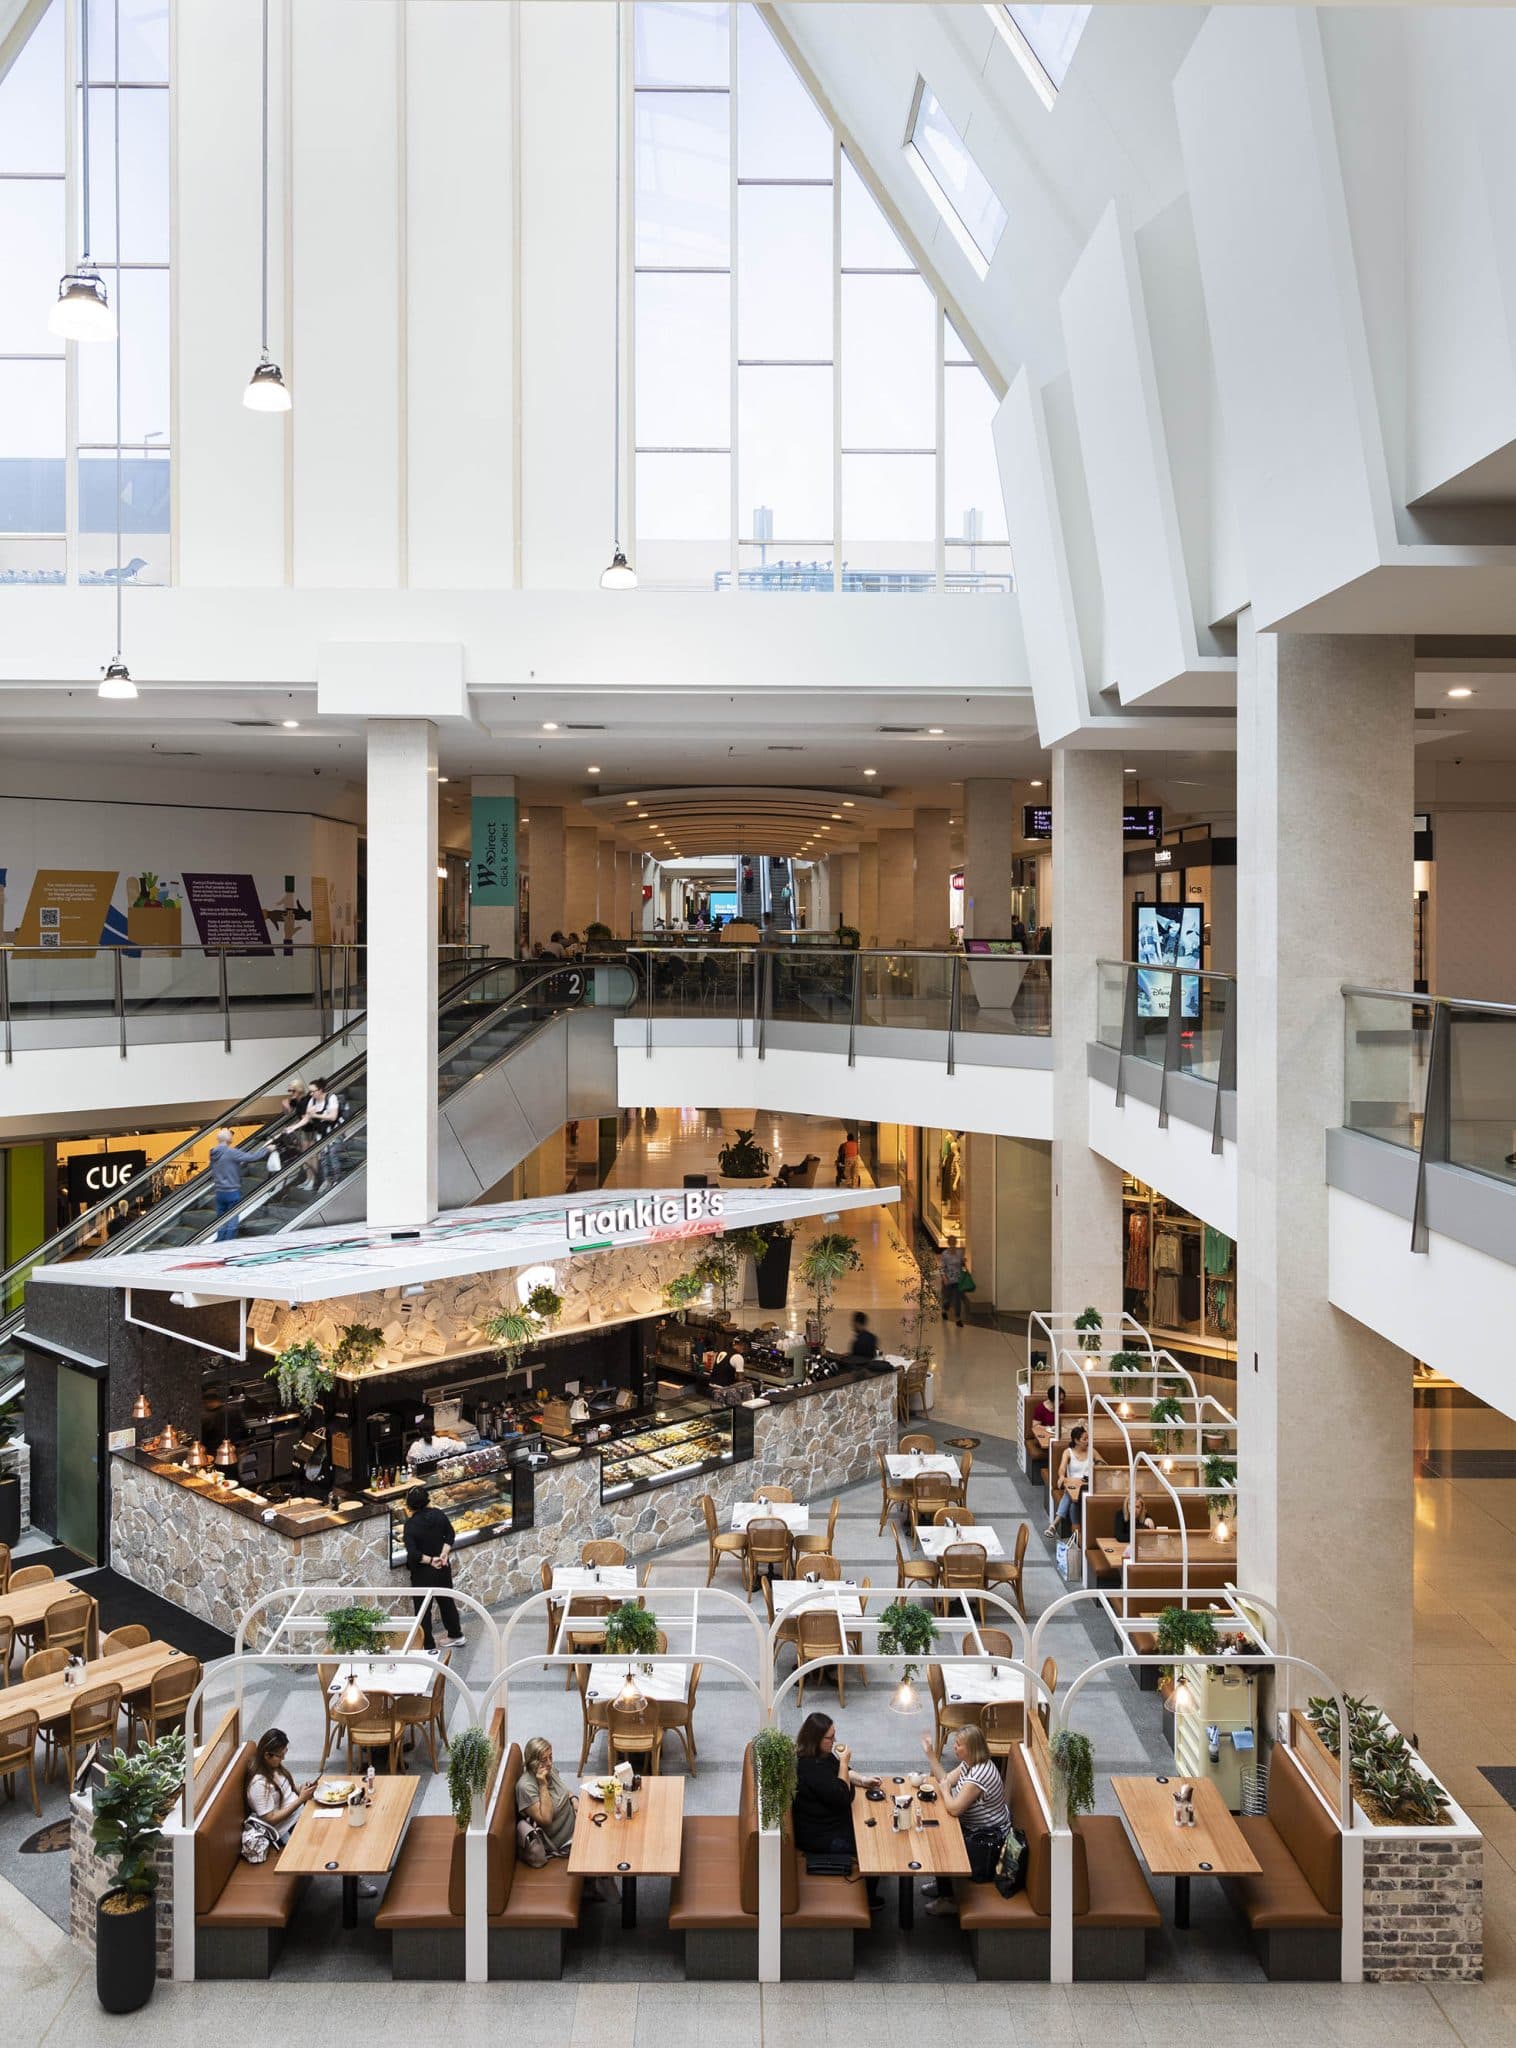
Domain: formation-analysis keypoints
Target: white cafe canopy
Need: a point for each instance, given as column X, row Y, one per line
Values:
column 319, row 1265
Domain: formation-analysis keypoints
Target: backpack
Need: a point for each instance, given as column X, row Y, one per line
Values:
column 1010, row 1864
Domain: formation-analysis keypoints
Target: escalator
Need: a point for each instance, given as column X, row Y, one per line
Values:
column 521, row 1049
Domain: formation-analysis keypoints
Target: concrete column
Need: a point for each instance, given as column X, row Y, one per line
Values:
column 628, row 867
column 605, row 888
column 821, row 897
column 934, row 864
column 544, row 848
column 988, row 824
column 846, row 895
column 401, row 1126
column 581, row 876
column 1087, row 908
column 497, row 926
column 868, row 893
column 1325, row 796
column 897, row 888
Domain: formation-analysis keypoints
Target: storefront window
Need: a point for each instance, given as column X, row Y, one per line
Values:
column 1179, row 1275
column 943, row 1171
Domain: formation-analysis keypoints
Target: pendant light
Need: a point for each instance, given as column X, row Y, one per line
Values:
column 83, row 308
column 631, row 1694
column 116, row 683
column 620, row 575
column 905, row 1699
column 352, row 1700
column 266, row 389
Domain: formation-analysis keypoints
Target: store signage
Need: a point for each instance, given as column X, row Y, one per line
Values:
column 695, row 1213
column 1138, row 821
column 492, row 850
column 96, row 1176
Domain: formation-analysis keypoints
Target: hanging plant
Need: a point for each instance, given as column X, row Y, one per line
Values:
column 301, row 1376
column 1221, row 1477
column 823, row 1264
column 1073, row 1773
column 774, row 1761
column 1181, row 1629
column 470, row 1766
column 1124, row 1368
column 545, row 1303
column 684, row 1288
column 1162, row 1418
column 906, row 1630
column 356, row 1631
column 631, row 1631
column 357, row 1347
column 510, row 1331
column 1088, row 1324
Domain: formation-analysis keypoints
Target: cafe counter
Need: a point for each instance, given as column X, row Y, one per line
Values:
column 181, row 1535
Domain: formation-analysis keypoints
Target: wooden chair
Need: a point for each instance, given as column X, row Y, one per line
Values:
column 948, row 1715
column 962, row 1571
column 635, row 1732
column 168, row 1699
column 997, row 1642
column 597, row 1713
column 817, row 1637
column 336, row 1724
column 855, row 1636
column 677, row 1717
column 30, row 1575
column 1050, row 1680
column 7, row 1647
column 912, row 1390
column 426, row 1712
column 92, row 1718
column 43, row 1664
column 603, row 1550
column 913, row 1571
column 130, row 1636
column 778, row 1493
column 822, row 1563
column 960, row 1491
column 588, row 1608
column 69, row 1624
column 768, row 1549
column 5, row 1567
column 18, row 1752
column 1005, row 1573
column 918, row 1442
column 960, row 1517
column 1004, row 1725
column 721, row 1542
column 892, row 1493
column 377, row 1727
column 813, row 1543
column 929, row 1492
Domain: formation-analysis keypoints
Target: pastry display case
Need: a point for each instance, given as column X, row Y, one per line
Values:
column 659, row 1452
column 476, row 1491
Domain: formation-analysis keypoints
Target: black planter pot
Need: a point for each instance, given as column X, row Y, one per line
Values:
column 774, row 1273
column 126, row 1955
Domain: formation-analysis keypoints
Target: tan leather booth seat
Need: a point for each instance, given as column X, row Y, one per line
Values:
column 241, row 1909
column 1153, row 1584
column 1293, row 1904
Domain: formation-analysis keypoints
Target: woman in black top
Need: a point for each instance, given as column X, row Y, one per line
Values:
column 429, row 1538
column 824, row 1782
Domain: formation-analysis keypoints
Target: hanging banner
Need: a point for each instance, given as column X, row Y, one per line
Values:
column 492, row 850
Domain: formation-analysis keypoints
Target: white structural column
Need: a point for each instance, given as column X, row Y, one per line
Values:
column 497, row 926
column 868, row 893
column 581, row 876
column 628, row 875
column 988, row 822
column 822, row 918
column 1325, row 796
column 845, row 890
column 934, row 866
column 544, row 851
column 401, row 1127
column 897, row 888
column 1087, row 912
column 605, row 892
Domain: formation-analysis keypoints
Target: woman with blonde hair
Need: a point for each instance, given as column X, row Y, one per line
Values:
column 543, row 1798
column 973, row 1791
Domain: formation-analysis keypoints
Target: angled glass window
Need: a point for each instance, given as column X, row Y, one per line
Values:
column 958, row 189
column 781, row 133
column 1043, row 39
column 680, row 42
column 680, row 151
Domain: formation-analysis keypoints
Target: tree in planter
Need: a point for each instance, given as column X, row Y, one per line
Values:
column 743, row 1158
column 357, row 1347
column 130, row 1808
column 301, row 1375
column 774, row 1761
column 720, row 1264
column 356, row 1631
column 921, row 1292
column 1088, row 1324
column 470, row 1766
column 823, row 1264
column 1073, row 1774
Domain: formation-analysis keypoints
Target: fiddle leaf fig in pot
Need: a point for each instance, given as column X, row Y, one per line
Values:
column 130, row 1808
column 774, row 1761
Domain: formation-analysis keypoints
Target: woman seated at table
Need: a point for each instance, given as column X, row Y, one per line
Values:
column 1137, row 1518
column 973, row 1791
column 1074, row 1468
column 824, row 1784
column 543, row 1798
column 274, row 1798
column 1044, row 1418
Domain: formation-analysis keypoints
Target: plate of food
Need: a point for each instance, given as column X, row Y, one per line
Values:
column 337, row 1793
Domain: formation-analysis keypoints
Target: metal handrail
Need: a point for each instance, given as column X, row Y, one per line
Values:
column 1171, row 967
column 1424, row 1001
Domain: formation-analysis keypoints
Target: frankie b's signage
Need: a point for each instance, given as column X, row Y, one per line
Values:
column 695, row 1213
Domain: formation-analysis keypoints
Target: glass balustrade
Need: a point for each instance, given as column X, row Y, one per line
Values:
column 1386, row 1052
column 1481, row 1085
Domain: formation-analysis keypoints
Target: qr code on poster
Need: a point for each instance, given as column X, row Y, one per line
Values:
column 50, row 918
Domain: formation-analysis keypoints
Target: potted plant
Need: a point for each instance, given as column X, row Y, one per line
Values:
column 908, row 1631
column 1182, row 1629
column 510, row 1331
column 130, row 1808
column 823, row 1264
column 1385, row 1773
column 357, row 1347
column 774, row 1763
column 545, row 1303
column 1073, row 1774
column 720, row 1264
column 774, row 1267
column 1124, row 1368
column 597, row 934
column 684, row 1288
column 301, row 1375
column 356, row 1631
column 1163, row 1419
column 743, row 1162
column 1221, row 1501
column 470, row 1766
column 631, row 1631
column 1088, row 1324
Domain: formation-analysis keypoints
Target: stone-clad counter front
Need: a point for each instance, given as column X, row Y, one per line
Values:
column 195, row 1551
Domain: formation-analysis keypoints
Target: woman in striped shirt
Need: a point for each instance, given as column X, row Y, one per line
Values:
column 974, row 1793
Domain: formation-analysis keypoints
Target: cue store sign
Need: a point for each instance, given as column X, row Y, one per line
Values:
column 647, row 1219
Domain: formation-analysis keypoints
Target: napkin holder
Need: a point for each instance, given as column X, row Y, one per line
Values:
column 1184, row 1806
column 901, row 1805
column 623, row 1776
column 357, row 1809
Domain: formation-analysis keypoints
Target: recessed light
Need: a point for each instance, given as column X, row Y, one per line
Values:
column 935, row 731
column 1035, row 785
column 848, row 804
column 526, row 821
column 642, row 814
column 631, row 804
column 826, row 828
column 837, row 814
column 290, row 724
column 549, row 725
column 443, row 778
column 1129, row 771
column 592, row 769
column 1461, row 691
column 871, row 771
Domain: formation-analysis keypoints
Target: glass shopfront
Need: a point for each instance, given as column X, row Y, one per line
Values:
column 1179, row 1275
column 944, row 1173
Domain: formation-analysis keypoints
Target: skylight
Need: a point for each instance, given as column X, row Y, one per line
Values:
column 1043, row 40
column 958, row 189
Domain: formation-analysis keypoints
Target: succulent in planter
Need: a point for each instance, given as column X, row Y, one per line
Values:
column 774, row 1761
column 470, row 1766
column 129, row 1810
column 823, row 1264
column 357, row 1347
column 1073, row 1773
column 1088, row 1324
column 356, row 1631
column 743, row 1158
column 1381, row 1763
column 301, row 1375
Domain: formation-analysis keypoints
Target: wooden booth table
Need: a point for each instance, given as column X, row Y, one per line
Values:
column 1214, row 1847
column 27, row 1608
column 935, row 1849
column 50, row 1698
column 324, row 1845
column 647, row 1845
column 935, row 1537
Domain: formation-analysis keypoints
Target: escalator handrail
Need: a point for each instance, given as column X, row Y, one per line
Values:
column 53, row 1247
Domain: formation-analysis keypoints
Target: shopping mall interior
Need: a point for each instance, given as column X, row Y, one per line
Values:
column 775, row 1292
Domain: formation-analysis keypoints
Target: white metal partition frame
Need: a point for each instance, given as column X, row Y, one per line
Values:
column 407, row 1606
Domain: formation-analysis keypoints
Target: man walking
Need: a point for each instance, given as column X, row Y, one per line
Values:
column 950, row 1274
column 227, row 1162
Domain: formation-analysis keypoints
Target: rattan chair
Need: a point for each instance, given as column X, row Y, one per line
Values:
column 913, row 1571
column 997, row 1642
column 168, row 1699
column 5, row 1567
column 597, row 1713
column 92, row 1718
column 68, row 1624
column 892, row 1493
column 818, row 1638
column 813, row 1543
column 962, row 1571
column 635, row 1733
column 336, row 1724
column 822, row 1563
column 677, row 1717
column 721, row 1542
column 1050, row 1680
column 929, row 1492
column 768, row 1549
column 603, row 1550
column 1004, row 1574
column 960, row 1488
column 779, row 1493
column 7, row 1648
column 960, row 1518
column 130, row 1636
column 18, row 1753
column 30, row 1575
column 43, row 1664
column 912, row 1389
column 948, row 1715
column 855, row 1636
column 590, row 1608
column 918, row 1442
column 425, row 1712
column 377, row 1727
column 1004, row 1725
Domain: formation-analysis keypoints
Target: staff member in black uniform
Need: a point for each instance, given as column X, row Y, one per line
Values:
column 429, row 1539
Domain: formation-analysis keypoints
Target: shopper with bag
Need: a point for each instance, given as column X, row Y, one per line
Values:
column 952, row 1272
column 974, row 1793
column 227, row 1162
